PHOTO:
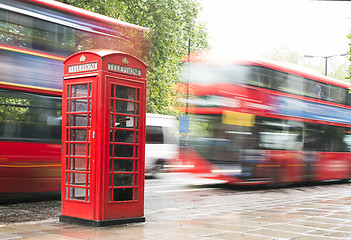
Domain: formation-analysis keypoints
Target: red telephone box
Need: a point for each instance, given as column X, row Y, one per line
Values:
column 103, row 138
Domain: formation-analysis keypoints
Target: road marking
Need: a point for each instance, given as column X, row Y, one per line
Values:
column 185, row 190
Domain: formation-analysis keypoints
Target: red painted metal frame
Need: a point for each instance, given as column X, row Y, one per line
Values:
column 100, row 206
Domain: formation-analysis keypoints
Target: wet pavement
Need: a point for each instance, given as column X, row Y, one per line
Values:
column 186, row 213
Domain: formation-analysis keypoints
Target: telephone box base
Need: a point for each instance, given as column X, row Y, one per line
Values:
column 99, row 223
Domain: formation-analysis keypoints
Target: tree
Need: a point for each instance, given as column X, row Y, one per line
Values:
column 172, row 22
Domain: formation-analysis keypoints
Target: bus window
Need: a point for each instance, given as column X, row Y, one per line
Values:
column 31, row 117
column 337, row 94
column 273, row 79
column 278, row 134
column 295, row 84
column 314, row 137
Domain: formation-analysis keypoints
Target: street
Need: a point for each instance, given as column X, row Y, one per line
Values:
column 189, row 208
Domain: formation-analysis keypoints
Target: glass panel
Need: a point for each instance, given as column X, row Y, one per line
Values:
column 112, row 91
column 123, row 194
column 78, row 149
column 79, row 105
column 80, row 90
column 88, row 195
column 137, row 109
column 77, row 193
column 67, row 96
column 138, row 94
column 136, row 180
column 78, row 135
column 124, row 107
column 124, row 136
column 110, row 180
column 66, row 192
column 110, row 195
column 111, row 150
column 136, row 151
column 123, row 165
column 111, row 121
column 124, row 122
column 90, row 88
column 124, row 150
column 77, row 178
column 125, row 92
column 112, row 106
column 78, row 164
column 136, row 165
column 136, row 194
column 123, row 180
column 78, row 120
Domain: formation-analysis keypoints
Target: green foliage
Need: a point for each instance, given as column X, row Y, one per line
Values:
column 13, row 109
column 172, row 22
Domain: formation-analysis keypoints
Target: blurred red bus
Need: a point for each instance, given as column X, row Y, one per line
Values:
column 259, row 122
column 36, row 36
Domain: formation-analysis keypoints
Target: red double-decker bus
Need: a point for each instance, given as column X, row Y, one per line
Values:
column 35, row 37
column 260, row 122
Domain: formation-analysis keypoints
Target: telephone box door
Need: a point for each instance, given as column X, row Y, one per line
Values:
column 126, row 171
column 77, row 175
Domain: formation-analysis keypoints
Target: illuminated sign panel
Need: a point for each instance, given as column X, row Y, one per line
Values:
column 82, row 67
column 123, row 69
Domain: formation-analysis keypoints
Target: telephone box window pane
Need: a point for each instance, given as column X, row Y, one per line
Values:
column 138, row 94
column 124, row 107
column 79, row 164
column 124, row 180
column 90, row 89
column 77, row 193
column 110, row 180
column 125, row 92
column 136, row 165
column 66, row 192
column 124, row 122
column 112, row 91
column 77, row 179
column 110, row 195
column 123, row 194
column 112, row 106
column 124, row 150
column 111, row 165
column 79, row 105
column 135, row 194
column 124, row 136
column 88, row 195
column 136, row 180
column 137, row 109
column 136, row 151
column 78, row 135
column 80, row 90
column 78, row 149
column 111, row 150
column 78, row 120
column 122, row 165
column 67, row 96
column 111, row 121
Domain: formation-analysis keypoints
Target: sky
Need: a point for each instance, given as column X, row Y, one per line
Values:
column 254, row 27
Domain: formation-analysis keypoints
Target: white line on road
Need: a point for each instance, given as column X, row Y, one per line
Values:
column 185, row 190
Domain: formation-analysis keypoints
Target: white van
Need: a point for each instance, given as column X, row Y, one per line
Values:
column 162, row 142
